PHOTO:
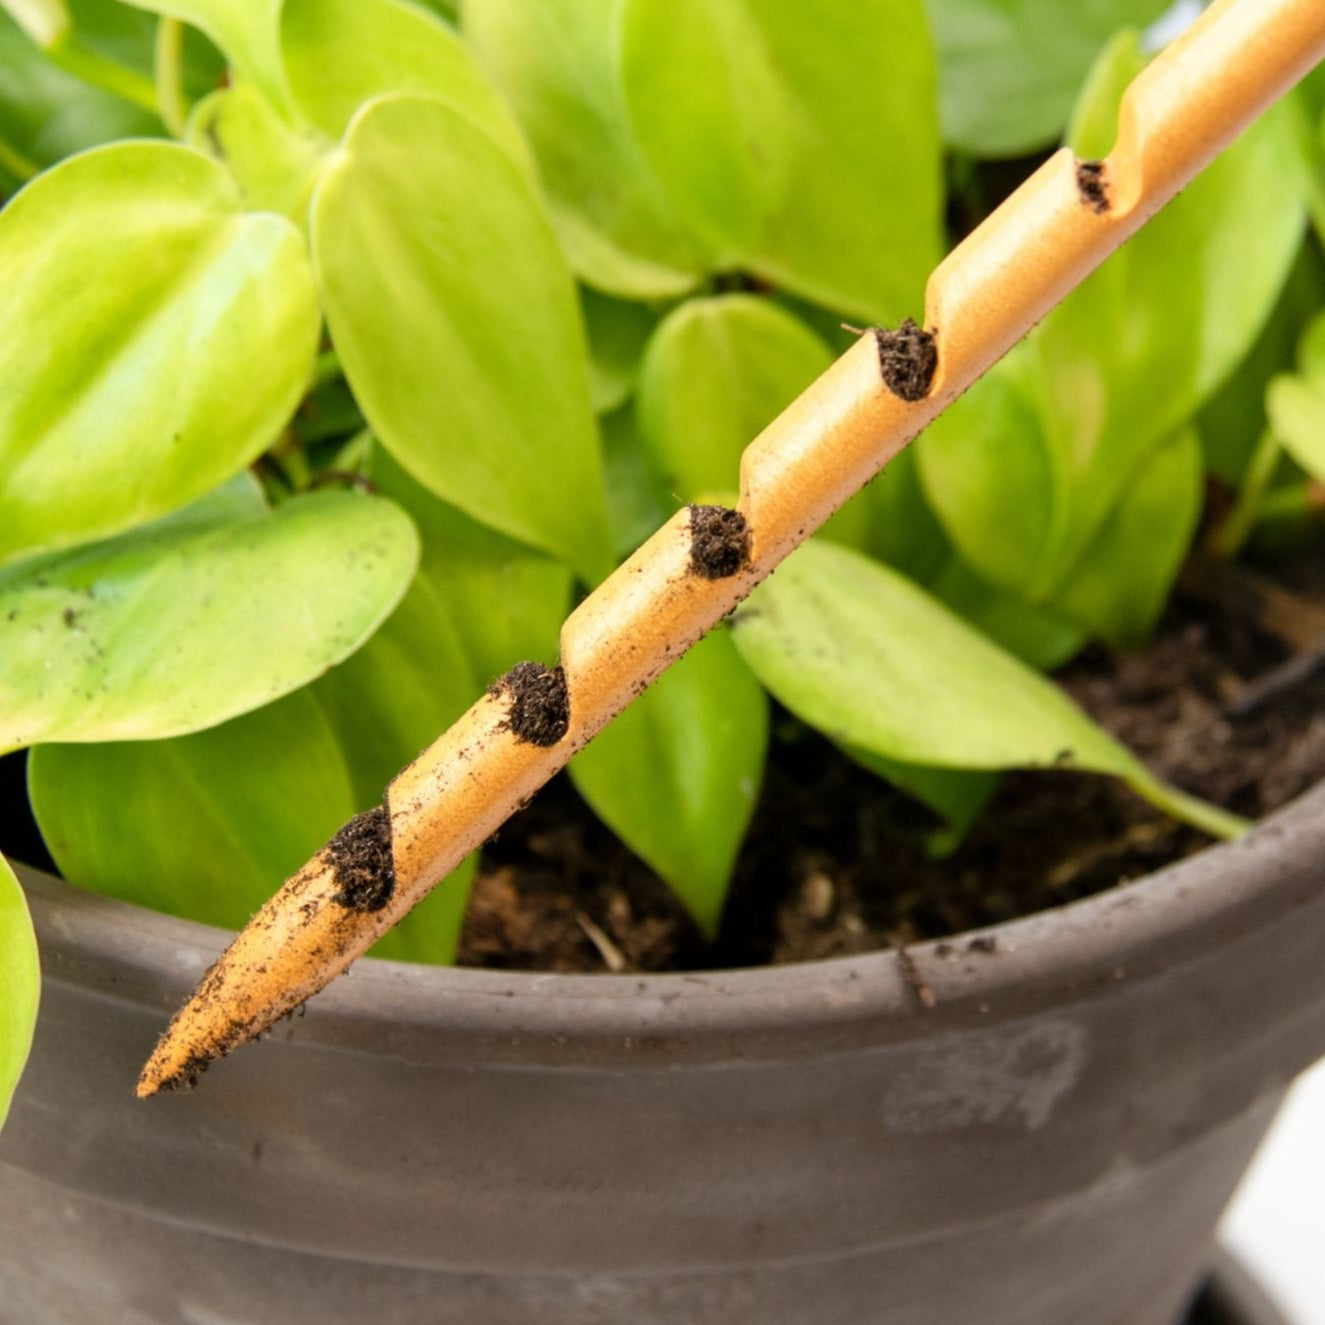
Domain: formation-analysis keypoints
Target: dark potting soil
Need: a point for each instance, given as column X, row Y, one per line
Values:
column 361, row 855
column 719, row 541
column 1091, row 184
column 539, row 703
column 908, row 357
column 835, row 864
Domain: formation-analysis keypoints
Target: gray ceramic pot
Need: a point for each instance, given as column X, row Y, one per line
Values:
column 1050, row 1144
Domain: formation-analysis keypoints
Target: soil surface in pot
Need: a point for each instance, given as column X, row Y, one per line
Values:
column 1226, row 701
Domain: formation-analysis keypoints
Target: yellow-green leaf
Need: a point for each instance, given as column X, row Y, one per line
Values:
column 863, row 655
column 715, row 374
column 456, row 322
column 1010, row 69
column 340, row 54
column 182, row 624
column 504, row 602
column 559, row 67
column 155, row 339
column 246, row 30
column 20, row 985
column 801, row 140
column 1121, row 584
column 676, row 775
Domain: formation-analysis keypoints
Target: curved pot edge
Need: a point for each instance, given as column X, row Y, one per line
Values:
column 1176, row 914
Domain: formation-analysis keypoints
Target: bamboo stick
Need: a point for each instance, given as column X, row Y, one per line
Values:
column 1061, row 224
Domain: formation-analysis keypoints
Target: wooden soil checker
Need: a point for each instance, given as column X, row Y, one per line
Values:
column 1057, row 228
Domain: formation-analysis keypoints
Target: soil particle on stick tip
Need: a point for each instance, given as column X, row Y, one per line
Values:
column 1093, row 187
column 187, row 1077
column 719, row 541
column 908, row 357
column 362, row 858
column 539, row 702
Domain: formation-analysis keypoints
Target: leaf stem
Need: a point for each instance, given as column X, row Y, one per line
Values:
column 1232, row 532
column 1189, row 809
column 289, row 458
column 83, row 62
column 168, row 66
column 354, row 454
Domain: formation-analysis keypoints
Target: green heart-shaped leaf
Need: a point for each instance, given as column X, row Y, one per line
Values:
column 676, row 775
column 246, row 30
column 182, row 624
column 1296, row 406
column 715, row 374
column 801, row 140
column 868, row 658
column 455, row 319
column 20, row 985
column 986, row 468
column 504, row 602
column 1011, row 69
column 1295, row 403
column 156, row 338
column 559, row 67
column 1121, row 584
column 339, row 54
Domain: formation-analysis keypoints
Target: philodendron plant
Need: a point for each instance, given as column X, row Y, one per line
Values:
column 345, row 341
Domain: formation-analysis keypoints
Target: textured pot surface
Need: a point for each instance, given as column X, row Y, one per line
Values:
column 1051, row 1142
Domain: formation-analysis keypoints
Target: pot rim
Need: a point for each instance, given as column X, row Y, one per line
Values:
column 1179, row 914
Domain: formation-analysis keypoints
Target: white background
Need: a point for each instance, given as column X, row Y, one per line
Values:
column 1276, row 1224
